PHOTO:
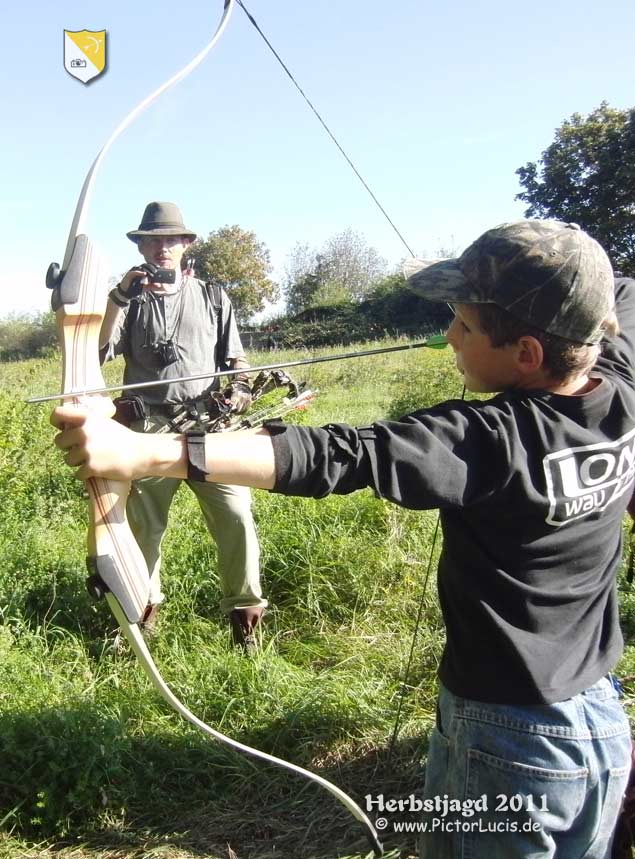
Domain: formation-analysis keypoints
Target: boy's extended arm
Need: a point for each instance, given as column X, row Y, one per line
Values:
column 418, row 462
column 100, row 447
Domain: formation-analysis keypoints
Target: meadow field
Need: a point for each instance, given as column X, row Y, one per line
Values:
column 94, row 765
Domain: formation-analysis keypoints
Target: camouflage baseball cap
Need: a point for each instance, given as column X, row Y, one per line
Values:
column 549, row 274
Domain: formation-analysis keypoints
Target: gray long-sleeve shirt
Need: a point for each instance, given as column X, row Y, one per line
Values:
column 189, row 320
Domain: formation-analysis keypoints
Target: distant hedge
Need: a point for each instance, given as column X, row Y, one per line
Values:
column 27, row 336
column 394, row 312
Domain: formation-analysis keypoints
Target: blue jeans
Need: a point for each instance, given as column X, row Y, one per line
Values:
column 526, row 782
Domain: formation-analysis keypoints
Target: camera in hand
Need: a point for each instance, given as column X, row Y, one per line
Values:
column 165, row 352
column 155, row 275
column 159, row 275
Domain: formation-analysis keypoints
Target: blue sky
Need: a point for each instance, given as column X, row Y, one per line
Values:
column 437, row 104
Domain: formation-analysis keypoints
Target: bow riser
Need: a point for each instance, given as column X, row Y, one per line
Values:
column 79, row 302
column 114, row 561
column 139, row 647
column 114, row 556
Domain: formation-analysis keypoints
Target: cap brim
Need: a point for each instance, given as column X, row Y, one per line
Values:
column 439, row 280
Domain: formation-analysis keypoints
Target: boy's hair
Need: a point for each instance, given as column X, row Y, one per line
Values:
column 562, row 358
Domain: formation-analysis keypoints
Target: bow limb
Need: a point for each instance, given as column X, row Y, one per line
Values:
column 78, row 225
column 138, row 645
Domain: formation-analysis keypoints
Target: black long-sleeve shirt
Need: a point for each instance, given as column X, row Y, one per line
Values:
column 532, row 488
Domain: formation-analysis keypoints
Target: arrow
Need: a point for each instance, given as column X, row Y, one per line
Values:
column 437, row 341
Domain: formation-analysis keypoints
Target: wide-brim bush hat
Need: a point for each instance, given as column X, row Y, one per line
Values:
column 161, row 219
column 550, row 274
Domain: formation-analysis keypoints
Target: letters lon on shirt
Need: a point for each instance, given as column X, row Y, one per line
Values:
column 583, row 480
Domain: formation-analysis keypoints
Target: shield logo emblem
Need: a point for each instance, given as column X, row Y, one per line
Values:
column 85, row 53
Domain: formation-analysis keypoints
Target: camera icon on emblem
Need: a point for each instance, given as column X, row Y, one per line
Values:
column 78, row 64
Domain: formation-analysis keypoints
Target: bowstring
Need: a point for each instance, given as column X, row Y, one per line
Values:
column 348, row 160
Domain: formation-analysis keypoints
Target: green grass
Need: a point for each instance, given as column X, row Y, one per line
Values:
column 94, row 764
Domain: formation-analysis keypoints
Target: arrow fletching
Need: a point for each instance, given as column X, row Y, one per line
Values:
column 437, row 341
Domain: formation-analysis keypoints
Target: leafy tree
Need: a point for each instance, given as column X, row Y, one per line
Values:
column 587, row 175
column 301, row 294
column 237, row 261
column 343, row 269
column 348, row 261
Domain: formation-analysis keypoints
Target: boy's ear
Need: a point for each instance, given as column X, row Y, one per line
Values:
column 529, row 355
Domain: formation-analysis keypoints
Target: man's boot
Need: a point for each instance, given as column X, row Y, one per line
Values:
column 243, row 622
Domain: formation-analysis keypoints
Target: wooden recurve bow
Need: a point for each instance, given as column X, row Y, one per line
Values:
column 115, row 562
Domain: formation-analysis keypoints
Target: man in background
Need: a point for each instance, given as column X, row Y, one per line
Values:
column 167, row 324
